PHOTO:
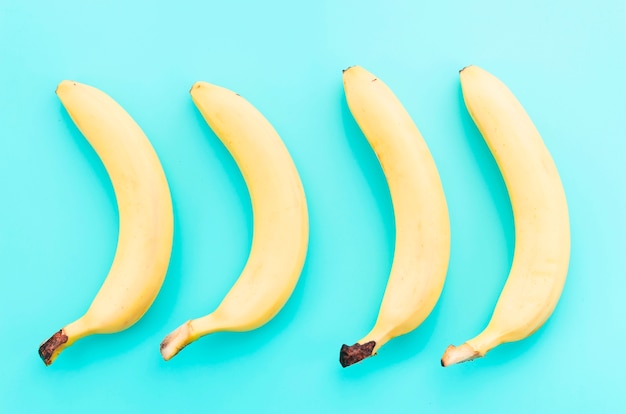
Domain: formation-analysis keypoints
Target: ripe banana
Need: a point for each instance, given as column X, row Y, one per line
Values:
column 280, row 229
column 422, row 248
column 542, row 234
column 145, row 217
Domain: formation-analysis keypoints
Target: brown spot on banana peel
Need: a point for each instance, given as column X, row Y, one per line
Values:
column 352, row 354
column 47, row 349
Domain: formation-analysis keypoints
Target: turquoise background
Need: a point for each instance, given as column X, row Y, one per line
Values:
column 566, row 62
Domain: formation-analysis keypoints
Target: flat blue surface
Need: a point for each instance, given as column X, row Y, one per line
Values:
column 58, row 221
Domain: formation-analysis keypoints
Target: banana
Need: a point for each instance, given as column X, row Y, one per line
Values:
column 422, row 246
column 280, row 216
column 145, row 217
column 542, row 232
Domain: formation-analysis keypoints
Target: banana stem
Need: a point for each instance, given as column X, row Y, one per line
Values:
column 50, row 349
column 458, row 354
column 351, row 354
column 190, row 331
column 472, row 349
column 368, row 346
column 177, row 340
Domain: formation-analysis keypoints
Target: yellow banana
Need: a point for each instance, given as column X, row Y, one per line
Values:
column 280, row 229
column 542, row 233
column 422, row 248
column 145, row 217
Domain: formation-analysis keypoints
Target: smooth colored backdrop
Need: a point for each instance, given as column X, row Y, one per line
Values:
column 565, row 60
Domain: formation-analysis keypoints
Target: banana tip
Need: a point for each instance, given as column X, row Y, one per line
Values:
column 196, row 85
column 65, row 84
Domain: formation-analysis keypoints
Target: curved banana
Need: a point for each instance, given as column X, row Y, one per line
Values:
column 542, row 233
column 145, row 217
column 280, row 229
column 422, row 249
